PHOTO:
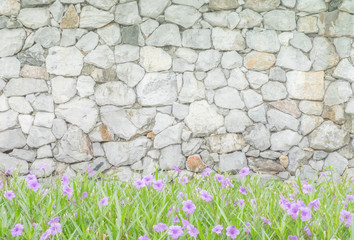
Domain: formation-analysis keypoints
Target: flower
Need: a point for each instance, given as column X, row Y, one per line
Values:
column 67, row 190
column 217, row 229
column 90, row 171
column 148, row 180
column 350, row 198
column 242, row 203
column 1, row 184
column 55, row 228
column 226, row 182
column 34, row 185
column 9, row 171
column 17, row 230
column 143, row 238
column 293, row 210
column 31, row 177
column 46, row 235
column 159, row 185
column 185, row 223
column 315, row 204
column 205, row 196
column 183, row 180
column 306, row 188
column 293, row 237
column 42, row 167
column 305, row 214
column 175, row 219
column 244, row 172
column 180, row 195
column 219, row 178
column 175, row 232
column 346, row 217
column 284, row 203
column 160, row 227
column 36, row 225
column 232, row 232
column 266, row 221
column 104, row 201
column 307, row 230
column 176, row 169
column 188, row 206
column 54, row 220
column 65, row 180
column 247, row 228
column 206, row 172
column 9, row 195
column 139, row 184
column 242, row 190
column 84, row 195
column 192, row 231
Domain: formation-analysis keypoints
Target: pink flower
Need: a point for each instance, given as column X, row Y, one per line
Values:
column 148, row 180
column 232, row 232
column 305, row 214
column 244, row 172
column 192, row 231
column 9, row 195
column 159, row 185
column 160, row 227
column 217, row 229
column 139, row 184
column 188, row 206
column 143, row 238
column 104, row 201
column 205, row 196
column 183, row 180
column 17, row 230
column 65, row 180
column 175, row 232
column 243, row 190
column 266, row 221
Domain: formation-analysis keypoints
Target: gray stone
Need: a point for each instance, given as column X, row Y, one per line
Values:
column 154, row 59
column 323, row 54
column 101, row 133
column 273, row 91
column 44, row 152
column 282, row 20
column 307, row 24
column 258, row 114
column 20, row 105
column 193, row 3
column 301, row 41
column 231, row 60
column 85, row 86
column 91, row 17
column 47, row 164
column 256, row 79
column 292, row 58
column 232, row 162
column 258, row 136
column 132, row 35
column 39, row 136
column 343, row 46
column 11, row 41
column 181, row 65
column 251, row 98
column 261, row 165
column 184, row 16
column 34, row 17
column 197, row 38
column 105, row 4
column 65, row 61
column 284, row 140
column 192, row 89
column 162, row 121
column 130, row 73
column 165, row 35
column 27, row 155
column 10, row 8
column 215, row 79
column 270, row 155
column 225, row 39
column 8, row 162
column 278, row 121
column 171, row 156
column 311, row 6
column 347, row 6
column 9, row 67
column 180, row 111
column 228, row 97
column 309, row 123
column 88, row 42
column 8, row 119
column 328, row 137
column 148, row 27
column 249, row 19
column 187, row 54
column 335, row 24
column 4, row 105
column 127, row 13
column 337, row 92
column 44, row 119
column 311, row 107
column 344, row 70
column 33, row 56
column 349, row 109
column 24, row 86
column 157, row 89
column 337, row 161
column 169, row 136
column 223, row 4
column 126, row 53
column 101, row 57
column 208, row 59
column 237, row 121
column 75, row 146
column 237, row 79
column 317, row 165
column 47, row 37
column 262, row 5
column 63, row 89
column 259, row 60
column 114, row 93
column 25, row 122
column 79, row 111
column 334, row 113
column 11, row 139
column 59, row 128
column 97, row 150
column 98, row 165
column 192, row 146
column 217, row 18
column 57, row 10
column 110, row 34
column 152, row 9
column 305, row 85
column 126, row 153
column 225, row 143
column 203, row 119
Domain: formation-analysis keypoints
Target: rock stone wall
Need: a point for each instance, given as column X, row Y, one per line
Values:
column 135, row 85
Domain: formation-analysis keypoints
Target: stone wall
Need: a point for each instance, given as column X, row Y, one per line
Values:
column 134, row 85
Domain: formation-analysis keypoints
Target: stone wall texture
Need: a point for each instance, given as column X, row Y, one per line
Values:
column 126, row 85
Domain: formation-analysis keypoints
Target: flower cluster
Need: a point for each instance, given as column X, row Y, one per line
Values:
column 149, row 180
column 54, row 228
column 32, row 182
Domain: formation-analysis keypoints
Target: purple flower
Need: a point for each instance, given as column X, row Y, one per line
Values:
column 46, row 235
column 84, row 195
column 188, row 206
column 226, row 182
column 68, row 191
column 143, row 238
column 54, row 220
column 17, row 230
column 180, row 195
column 139, row 184
column 266, row 221
column 65, row 180
column 247, row 228
column 104, row 201
column 315, row 204
column 176, row 169
column 346, row 217
column 219, row 178
column 242, row 203
column 36, row 225
column 217, row 229
column 293, row 237
column 183, row 180
column 192, row 231
column 232, row 232
column 148, row 180
column 42, row 167
column 305, row 214
column 159, row 185
column 253, row 202
column 175, row 219
column 243, row 190
column 244, row 172
column 206, row 172
column 9, row 195
column 31, row 177
column 185, row 223
column 350, row 198
column 307, row 230
column 175, row 232
column 160, row 227
column 1, row 184
column 89, row 171
column 8, row 171
column 55, row 228
column 205, row 196
column 34, row 185
column 284, row 203
column 293, row 210
column 306, row 188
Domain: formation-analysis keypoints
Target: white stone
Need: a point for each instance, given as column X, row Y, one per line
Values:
column 215, row 79
column 44, row 119
column 263, row 40
column 237, row 121
column 251, row 98
column 180, row 111
column 4, row 104
column 184, row 16
column 337, row 92
column 79, row 111
column 279, row 121
column 231, row 60
column 157, row 89
column 127, row 13
column 273, row 91
column 20, row 105
column 68, row 38
column 44, row 152
column 237, row 79
column 34, row 17
column 39, row 136
column 305, row 85
column 217, row 18
column 225, row 39
column 343, row 46
column 249, row 19
column 258, row 136
column 292, row 58
column 8, row 120
column 110, row 34
column 337, row 161
column 203, row 119
column 47, row 164
column 197, row 38
column 181, row 65
column 311, row 107
column 228, row 97
column 105, row 4
column 65, row 61
column 88, row 42
column 311, row 6
column 9, row 67
column 155, row 59
column 28, row 155
column 169, row 136
column 193, row 3
column 344, row 70
column 148, row 26
column 8, row 162
column 24, row 86
column 171, row 156
column 349, row 109
column 91, row 17
column 130, row 73
column 114, row 93
column 309, row 123
column 323, row 54
column 301, row 41
column 9, row 8
column 11, row 41
column 208, row 59
column 102, row 57
column 59, row 128
column 347, row 6
column 152, row 9
column 282, row 20
column 232, row 162
column 162, row 121
column 85, row 86
column 63, row 89
column 284, row 140
column 225, row 143
column 47, row 37
column 118, row 121
column 192, row 89
column 256, row 79
column 165, row 35
column 25, row 122
column 126, row 53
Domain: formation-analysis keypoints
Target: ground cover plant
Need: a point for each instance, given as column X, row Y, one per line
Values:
column 211, row 206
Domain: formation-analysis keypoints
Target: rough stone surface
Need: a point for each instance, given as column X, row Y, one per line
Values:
column 225, row 39
column 24, row 86
column 262, row 5
column 184, row 16
column 34, row 17
column 11, row 41
column 284, row 140
column 65, row 61
column 223, row 4
column 8, row 162
column 283, row 20
column 197, row 38
column 232, row 161
column 91, row 17
column 228, row 97
column 127, row 13
column 165, row 35
column 155, row 59
column 171, row 156
column 292, row 58
column 226, row 143
column 258, row 136
column 338, row 162
column 305, row 85
column 259, row 61
column 323, row 54
column 114, row 93
column 344, row 70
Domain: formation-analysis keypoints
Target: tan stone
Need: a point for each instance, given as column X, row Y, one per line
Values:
column 150, row 135
column 223, row 4
column 305, row 85
column 334, row 113
column 70, row 19
column 336, row 24
column 105, row 133
column 284, row 160
column 264, row 165
column 195, row 164
column 29, row 71
column 287, row 106
column 307, row 24
column 259, row 60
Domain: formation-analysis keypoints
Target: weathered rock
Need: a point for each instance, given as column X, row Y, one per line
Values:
column 33, row 3
column 273, row 91
column 334, row 113
column 328, row 137
column 47, row 37
column 98, row 165
column 8, row 162
column 192, row 89
column 292, row 58
column 347, row 6
column 263, row 40
column 85, row 86
column 226, row 143
column 287, row 106
column 337, row 161
column 258, row 114
column 225, row 39
column 171, row 156
column 231, row 60
column 258, row 136
column 101, row 57
column 110, row 34
column 4, row 105
column 101, row 134
column 44, row 119
column 217, row 18
column 259, row 60
column 105, row 5
column 114, row 93
column 27, row 155
column 65, row 61
column 309, row 123
column 148, row 27
column 132, row 35
column 282, row 20
column 169, row 136
column 237, row 79
column 349, row 109
column 311, row 6
column 337, row 92
column 59, row 128
column 192, row 146
column 34, row 17
column 152, row 9
column 57, row 10
column 10, row 8
column 311, row 107
column 277, row 74
column 33, row 56
column 305, row 85
column 91, row 17
column 223, row 4
column 343, row 46
column 8, row 119
column 75, row 146
column 284, row 140
column 323, row 54
column 88, row 42
column 228, row 97
column 278, row 121
column 9, row 67
column 336, row 24
column 25, row 122
column 184, row 16
column 157, row 89
column 24, row 86
column 344, row 70
column 195, row 164
column 130, row 73
column 208, row 60
column 251, row 98
column 265, row 166
column 232, row 161
column 79, row 111
column 249, row 19
column 28, row 71
column 11, row 41
column 262, row 5
column 215, row 79
column 155, row 59
column 307, row 24
column 301, row 41
column 237, row 121
column 11, row 139
column 165, row 35
column 63, row 89
column 39, row 136
column 203, row 119
column 70, row 19
column 43, row 167
column 297, row 157
column 256, row 79
column 20, row 104
column 127, row 13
